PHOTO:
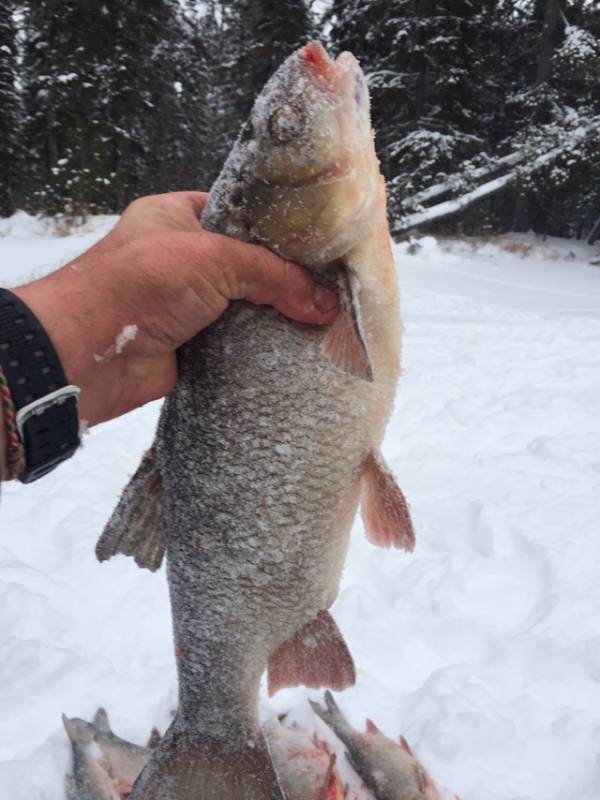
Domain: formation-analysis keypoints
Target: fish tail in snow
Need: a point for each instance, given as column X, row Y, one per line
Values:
column 192, row 767
column 332, row 716
column 136, row 527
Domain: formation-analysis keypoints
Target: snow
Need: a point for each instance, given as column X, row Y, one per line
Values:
column 127, row 334
column 482, row 647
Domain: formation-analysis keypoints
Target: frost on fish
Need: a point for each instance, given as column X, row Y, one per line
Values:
column 270, row 436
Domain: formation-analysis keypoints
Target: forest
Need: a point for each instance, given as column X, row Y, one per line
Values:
column 486, row 112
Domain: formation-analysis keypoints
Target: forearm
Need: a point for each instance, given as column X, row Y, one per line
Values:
column 83, row 325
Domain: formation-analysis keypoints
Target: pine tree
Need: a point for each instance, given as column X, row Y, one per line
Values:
column 260, row 35
column 419, row 59
column 555, row 89
column 11, row 161
column 99, row 94
column 209, row 124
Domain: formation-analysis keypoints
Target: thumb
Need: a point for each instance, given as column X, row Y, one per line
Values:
column 251, row 272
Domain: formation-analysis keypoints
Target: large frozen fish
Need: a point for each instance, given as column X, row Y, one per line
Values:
column 389, row 769
column 270, row 438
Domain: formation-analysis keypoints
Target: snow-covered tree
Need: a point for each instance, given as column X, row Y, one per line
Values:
column 419, row 61
column 260, row 34
column 11, row 161
column 99, row 94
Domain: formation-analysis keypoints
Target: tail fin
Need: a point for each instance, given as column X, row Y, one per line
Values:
column 192, row 767
column 136, row 527
column 333, row 717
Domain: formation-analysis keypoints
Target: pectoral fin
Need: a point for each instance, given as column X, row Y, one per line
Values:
column 315, row 656
column 136, row 527
column 384, row 510
column 345, row 343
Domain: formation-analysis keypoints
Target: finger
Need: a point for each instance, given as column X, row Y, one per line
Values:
column 174, row 211
column 253, row 273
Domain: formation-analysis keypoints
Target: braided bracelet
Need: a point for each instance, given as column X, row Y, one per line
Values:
column 15, row 452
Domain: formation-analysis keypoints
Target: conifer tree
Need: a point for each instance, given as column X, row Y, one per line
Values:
column 260, row 34
column 419, row 60
column 11, row 161
column 98, row 91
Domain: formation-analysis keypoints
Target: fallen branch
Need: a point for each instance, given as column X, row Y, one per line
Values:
column 449, row 207
column 510, row 160
column 594, row 233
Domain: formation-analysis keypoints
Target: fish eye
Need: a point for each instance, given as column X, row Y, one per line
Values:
column 284, row 125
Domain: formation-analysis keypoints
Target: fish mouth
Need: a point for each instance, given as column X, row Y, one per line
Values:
column 320, row 64
column 340, row 75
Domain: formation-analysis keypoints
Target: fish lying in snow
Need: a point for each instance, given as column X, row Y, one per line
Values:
column 104, row 765
column 305, row 766
column 271, row 437
column 389, row 769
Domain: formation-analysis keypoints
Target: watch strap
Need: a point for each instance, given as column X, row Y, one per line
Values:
column 46, row 405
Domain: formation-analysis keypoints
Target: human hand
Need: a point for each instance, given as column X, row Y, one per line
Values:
column 160, row 271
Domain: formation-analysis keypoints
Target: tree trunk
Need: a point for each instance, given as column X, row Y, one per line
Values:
column 551, row 35
column 594, row 233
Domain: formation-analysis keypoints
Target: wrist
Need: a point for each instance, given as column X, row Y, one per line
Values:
column 62, row 302
column 59, row 313
column 39, row 407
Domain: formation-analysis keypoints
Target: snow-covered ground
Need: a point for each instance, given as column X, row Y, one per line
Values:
column 482, row 648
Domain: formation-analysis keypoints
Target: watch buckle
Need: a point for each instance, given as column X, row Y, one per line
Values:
column 37, row 407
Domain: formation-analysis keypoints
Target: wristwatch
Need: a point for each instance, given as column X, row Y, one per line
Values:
column 46, row 404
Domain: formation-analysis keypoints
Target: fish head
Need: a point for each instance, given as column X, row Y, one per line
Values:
column 310, row 173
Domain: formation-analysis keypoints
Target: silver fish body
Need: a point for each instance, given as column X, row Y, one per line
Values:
column 104, row 765
column 389, row 769
column 268, row 437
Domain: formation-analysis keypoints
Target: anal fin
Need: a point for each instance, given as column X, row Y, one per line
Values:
column 384, row 510
column 315, row 656
column 136, row 527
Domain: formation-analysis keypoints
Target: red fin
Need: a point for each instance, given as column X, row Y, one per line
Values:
column 405, row 746
column 345, row 343
column 332, row 789
column 371, row 727
column 315, row 656
column 384, row 510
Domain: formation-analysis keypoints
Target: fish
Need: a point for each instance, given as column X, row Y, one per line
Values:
column 304, row 764
column 104, row 765
column 389, row 769
column 271, row 437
